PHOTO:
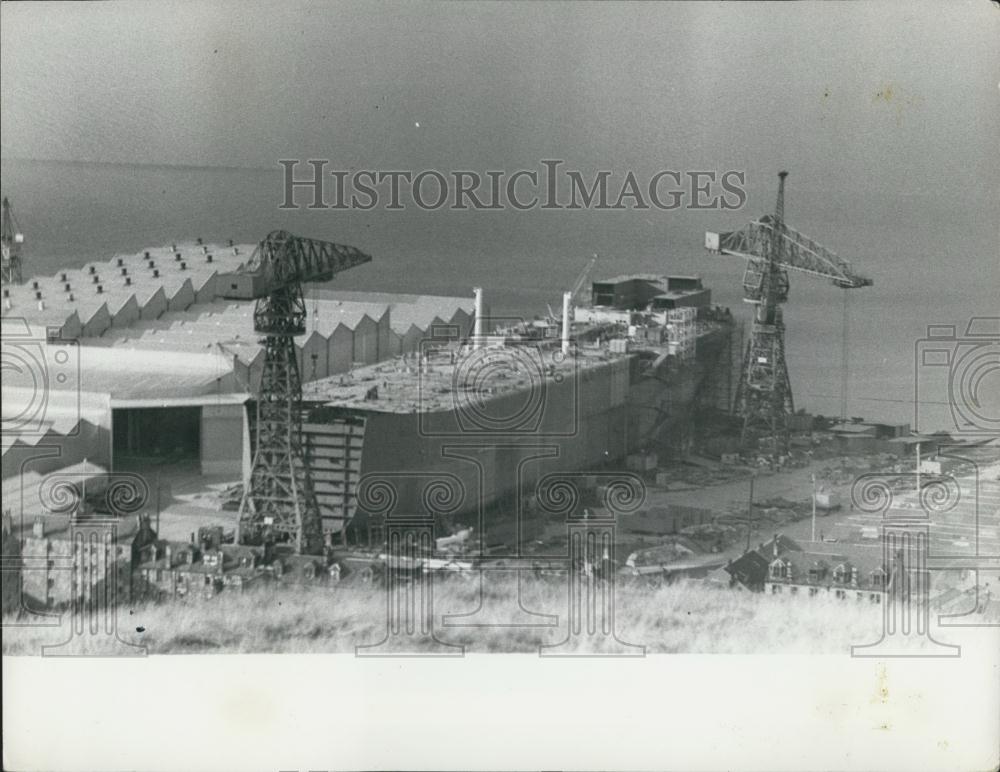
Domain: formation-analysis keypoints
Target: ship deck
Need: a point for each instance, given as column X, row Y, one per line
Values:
column 432, row 382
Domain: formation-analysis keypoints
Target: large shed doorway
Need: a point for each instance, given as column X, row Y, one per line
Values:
column 164, row 434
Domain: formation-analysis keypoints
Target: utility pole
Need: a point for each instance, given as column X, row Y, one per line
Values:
column 814, row 508
column 750, row 510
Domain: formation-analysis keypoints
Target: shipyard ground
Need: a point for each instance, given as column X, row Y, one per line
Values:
column 689, row 615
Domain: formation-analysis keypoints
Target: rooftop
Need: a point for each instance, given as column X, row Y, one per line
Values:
column 115, row 281
column 655, row 278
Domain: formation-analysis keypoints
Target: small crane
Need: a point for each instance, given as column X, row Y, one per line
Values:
column 279, row 503
column 771, row 248
column 576, row 290
column 581, row 280
column 11, row 239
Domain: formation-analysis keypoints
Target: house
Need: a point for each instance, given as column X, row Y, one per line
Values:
column 67, row 560
column 784, row 566
column 845, row 570
column 182, row 569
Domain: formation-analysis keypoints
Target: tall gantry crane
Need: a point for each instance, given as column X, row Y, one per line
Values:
column 771, row 248
column 279, row 504
column 10, row 247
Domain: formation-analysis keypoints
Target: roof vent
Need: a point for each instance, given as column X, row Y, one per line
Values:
column 100, row 288
column 67, row 287
column 6, row 292
column 92, row 270
column 128, row 281
column 38, row 295
column 34, row 285
column 124, row 271
column 177, row 257
column 96, row 278
column 70, row 298
column 230, row 242
column 183, row 265
column 120, row 262
column 173, row 247
column 236, row 250
column 64, row 277
column 198, row 240
column 152, row 263
column 208, row 258
column 204, row 250
column 146, row 254
column 156, row 273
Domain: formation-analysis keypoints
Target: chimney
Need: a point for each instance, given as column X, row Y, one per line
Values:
column 477, row 329
column 566, row 321
column 167, row 555
column 38, row 529
column 776, row 545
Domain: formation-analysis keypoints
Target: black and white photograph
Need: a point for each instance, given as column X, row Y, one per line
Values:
column 388, row 383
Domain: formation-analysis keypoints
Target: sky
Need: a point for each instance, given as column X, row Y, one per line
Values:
column 886, row 114
column 900, row 94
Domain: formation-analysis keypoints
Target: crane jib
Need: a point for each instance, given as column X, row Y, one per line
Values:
column 284, row 260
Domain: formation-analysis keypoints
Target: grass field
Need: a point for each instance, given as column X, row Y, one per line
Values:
column 687, row 617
